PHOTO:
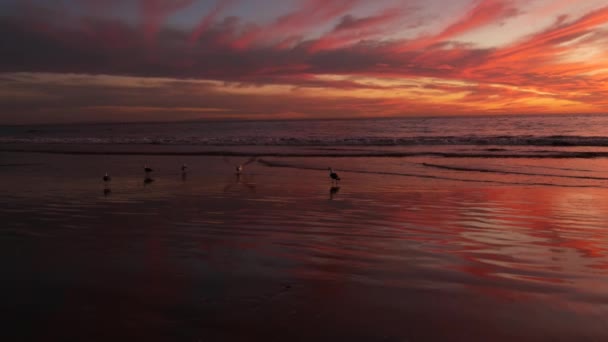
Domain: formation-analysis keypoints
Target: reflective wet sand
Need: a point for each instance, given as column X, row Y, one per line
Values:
column 399, row 251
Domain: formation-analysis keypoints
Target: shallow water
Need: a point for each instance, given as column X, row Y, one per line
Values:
column 405, row 249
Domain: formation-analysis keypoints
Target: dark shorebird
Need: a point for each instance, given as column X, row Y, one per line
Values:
column 106, row 177
column 334, row 176
column 147, row 169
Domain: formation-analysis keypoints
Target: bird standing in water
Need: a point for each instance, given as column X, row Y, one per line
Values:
column 147, row 169
column 106, row 177
column 334, row 176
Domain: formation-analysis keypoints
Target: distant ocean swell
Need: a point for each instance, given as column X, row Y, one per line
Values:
column 324, row 141
column 326, row 154
column 333, row 154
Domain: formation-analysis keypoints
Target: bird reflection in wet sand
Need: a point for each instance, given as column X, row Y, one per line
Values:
column 184, row 172
column 106, row 184
column 240, row 167
column 333, row 191
column 241, row 181
column 147, row 178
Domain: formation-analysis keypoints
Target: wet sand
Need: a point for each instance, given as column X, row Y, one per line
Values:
column 279, row 254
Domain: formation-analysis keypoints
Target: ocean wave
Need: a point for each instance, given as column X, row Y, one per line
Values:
column 323, row 141
column 320, row 154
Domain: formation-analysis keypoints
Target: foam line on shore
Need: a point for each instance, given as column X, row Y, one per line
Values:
column 470, row 169
column 304, row 167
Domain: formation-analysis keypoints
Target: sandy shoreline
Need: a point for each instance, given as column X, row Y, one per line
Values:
column 277, row 254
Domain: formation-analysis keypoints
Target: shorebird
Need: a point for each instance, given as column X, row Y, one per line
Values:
column 334, row 176
column 239, row 168
column 106, row 178
column 184, row 168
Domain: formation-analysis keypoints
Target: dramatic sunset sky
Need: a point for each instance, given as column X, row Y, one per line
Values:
column 130, row 60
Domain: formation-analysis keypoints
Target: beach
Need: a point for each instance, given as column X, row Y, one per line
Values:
column 411, row 247
column 310, row 170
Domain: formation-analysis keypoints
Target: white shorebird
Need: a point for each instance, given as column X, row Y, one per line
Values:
column 106, row 177
column 334, row 176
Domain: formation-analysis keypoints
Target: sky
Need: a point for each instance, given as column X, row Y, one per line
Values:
column 167, row 60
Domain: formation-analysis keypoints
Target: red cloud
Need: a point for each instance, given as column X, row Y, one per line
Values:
column 312, row 14
column 499, row 79
column 561, row 32
column 155, row 12
column 539, row 61
column 208, row 20
column 484, row 13
column 351, row 30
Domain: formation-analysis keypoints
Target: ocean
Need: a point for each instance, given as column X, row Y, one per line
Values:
column 440, row 229
column 555, row 130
